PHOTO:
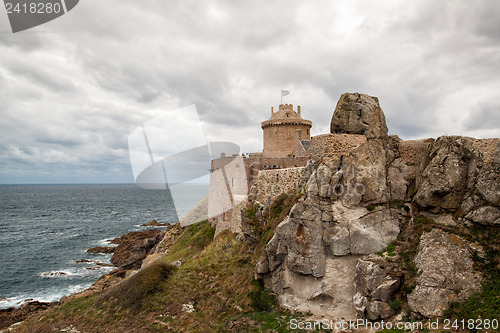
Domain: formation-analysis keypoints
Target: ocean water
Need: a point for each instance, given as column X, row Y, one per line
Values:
column 44, row 229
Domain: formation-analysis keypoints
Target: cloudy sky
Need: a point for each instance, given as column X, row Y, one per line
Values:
column 72, row 90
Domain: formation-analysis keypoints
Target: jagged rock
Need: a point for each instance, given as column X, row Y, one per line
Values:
column 167, row 239
column 299, row 242
column 374, row 288
column 487, row 215
column 310, row 167
column 134, row 247
column 445, row 273
column 14, row 315
column 378, row 310
column 101, row 249
column 155, row 223
column 359, row 114
column 398, row 174
column 358, row 231
column 364, row 175
column 449, row 166
column 488, row 185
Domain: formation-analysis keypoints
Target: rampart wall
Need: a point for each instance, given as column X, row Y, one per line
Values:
column 272, row 183
column 333, row 145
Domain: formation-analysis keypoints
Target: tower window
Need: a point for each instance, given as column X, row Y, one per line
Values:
column 308, row 131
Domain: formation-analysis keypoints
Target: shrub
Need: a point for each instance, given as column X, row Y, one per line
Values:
column 132, row 292
column 395, row 305
column 262, row 300
column 370, row 207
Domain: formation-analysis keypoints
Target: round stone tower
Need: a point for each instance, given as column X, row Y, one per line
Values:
column 283, row 129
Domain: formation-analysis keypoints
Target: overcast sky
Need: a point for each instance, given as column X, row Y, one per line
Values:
column 72, row 90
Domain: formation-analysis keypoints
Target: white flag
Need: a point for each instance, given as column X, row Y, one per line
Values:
column 285, row 92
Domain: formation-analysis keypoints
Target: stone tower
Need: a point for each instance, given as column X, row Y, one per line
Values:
column 283, row 129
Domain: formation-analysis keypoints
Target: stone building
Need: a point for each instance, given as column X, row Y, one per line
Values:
column 284, row 131
column 286, row 139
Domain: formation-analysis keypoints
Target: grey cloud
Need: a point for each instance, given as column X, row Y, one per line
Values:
column 486, row 116
column 40, row 76
column 231, row 59
column 24, row 42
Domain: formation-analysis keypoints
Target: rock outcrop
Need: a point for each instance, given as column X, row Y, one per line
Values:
column 445, row 273
column 359, row 114
column 448, row 167
column 332, row 220
column 14, row 315
column 374, row 288
column 101, row 249
column 452, row 175
column 134, row 247
column 355, row 203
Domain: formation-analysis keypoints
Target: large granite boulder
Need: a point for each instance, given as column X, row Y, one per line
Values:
column 359, row 114
column 447, row 170
column 445, row 273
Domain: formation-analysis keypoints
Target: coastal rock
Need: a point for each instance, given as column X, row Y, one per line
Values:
column 102, row 249
column 54, row 274
column 155, row 223
column 167, row 239
column 14, row 315
column 445, row 273
column 134, row 247
column 359, row 114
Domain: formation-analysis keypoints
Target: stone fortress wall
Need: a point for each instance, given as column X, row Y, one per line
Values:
column 271, row 183
column 333, row 145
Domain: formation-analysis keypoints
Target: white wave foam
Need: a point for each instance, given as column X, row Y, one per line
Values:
column 106, row 242
column 56, row 274
column 49, row 295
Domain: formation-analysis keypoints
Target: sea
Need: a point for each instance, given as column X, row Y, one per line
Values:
column 45, row 229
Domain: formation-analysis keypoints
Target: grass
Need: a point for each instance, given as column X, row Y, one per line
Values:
column 262, row 300
column 135, row 291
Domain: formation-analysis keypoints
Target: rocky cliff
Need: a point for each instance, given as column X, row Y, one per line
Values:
column 323, row 255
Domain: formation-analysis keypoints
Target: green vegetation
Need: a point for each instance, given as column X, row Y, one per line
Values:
column 370, row 207
column 132, row 293
column 395, row 304
column 262, row 300
column 216, row 280
column 389, row 250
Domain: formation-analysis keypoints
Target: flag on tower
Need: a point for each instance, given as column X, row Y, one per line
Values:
column 285, row 92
